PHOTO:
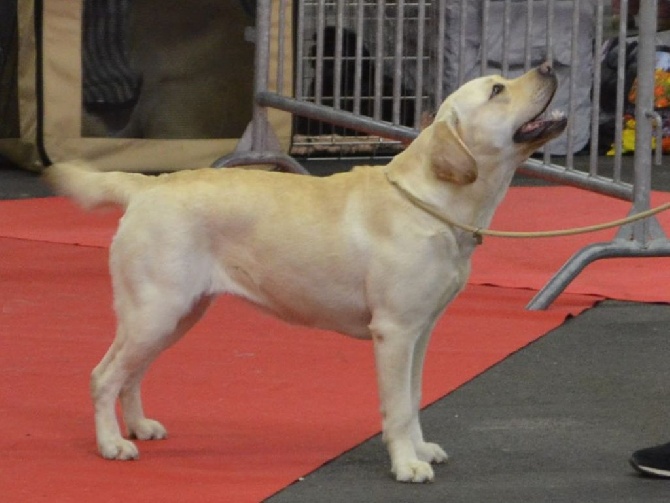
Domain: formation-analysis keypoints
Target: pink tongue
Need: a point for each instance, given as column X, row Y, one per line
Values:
column 529, row 126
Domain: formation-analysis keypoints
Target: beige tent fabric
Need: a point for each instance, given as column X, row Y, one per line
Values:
column 22, row 150
column 62, row 122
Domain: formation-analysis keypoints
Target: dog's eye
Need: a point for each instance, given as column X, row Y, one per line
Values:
column 496, row 90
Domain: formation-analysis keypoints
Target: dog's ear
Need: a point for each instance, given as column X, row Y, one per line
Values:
column 450, row 158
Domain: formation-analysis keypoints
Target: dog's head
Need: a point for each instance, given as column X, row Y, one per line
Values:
column 493, row 120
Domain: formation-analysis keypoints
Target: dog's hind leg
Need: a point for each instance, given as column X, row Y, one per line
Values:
column 145, row 330
column 138, row 425
column 105, row 387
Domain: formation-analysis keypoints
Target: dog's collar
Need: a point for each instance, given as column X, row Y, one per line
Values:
column 433, row 211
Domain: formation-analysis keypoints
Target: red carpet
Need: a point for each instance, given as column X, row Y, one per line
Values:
column 250, row 402
column 530, row 263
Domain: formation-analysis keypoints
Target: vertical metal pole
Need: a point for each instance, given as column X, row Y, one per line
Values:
column 358, row 69
column 421, row 37
column 486, row 4
column 595, row 105
column 261, row 70
column 398, row 58
column 281, row 50
column 437, row 15
column 299, row 50
column 507, row 13
column 644, row 104
column 337, row 77
column 439, row 65
column 463, row 15
column 527, row 61
column 546, row 158
column 550, row 32
column 379, row 58
column 621, row 76
column 575, row 64
column 318, row 64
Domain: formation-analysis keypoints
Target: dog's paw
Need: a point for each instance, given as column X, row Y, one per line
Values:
column 119, row 448
column 147, row 429
column 413, row 471
column 431, row 453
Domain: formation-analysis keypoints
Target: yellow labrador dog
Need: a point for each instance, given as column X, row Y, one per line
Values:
column 352, row 252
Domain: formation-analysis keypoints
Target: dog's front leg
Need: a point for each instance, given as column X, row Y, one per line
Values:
column 426, row 451
column 394, row 351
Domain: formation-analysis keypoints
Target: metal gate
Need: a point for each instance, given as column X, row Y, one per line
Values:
column 367, row 72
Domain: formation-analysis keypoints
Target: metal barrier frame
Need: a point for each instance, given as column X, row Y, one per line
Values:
column 644, row 238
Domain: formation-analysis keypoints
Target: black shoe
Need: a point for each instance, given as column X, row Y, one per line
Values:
column 653, row 461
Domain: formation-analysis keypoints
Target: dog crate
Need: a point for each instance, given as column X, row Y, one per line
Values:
column 133, row 85
column 368, row 58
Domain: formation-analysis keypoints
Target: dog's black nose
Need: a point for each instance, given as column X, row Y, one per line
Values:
column 545, row 69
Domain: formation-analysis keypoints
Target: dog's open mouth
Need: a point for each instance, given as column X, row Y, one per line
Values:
column 542, row 126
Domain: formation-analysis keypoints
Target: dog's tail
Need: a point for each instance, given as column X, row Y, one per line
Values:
column 91, row 188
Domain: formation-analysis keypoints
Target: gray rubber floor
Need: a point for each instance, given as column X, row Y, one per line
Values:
column 555, row 422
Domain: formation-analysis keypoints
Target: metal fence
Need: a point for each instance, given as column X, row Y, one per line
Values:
column 368, row 58
column 368, row 72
